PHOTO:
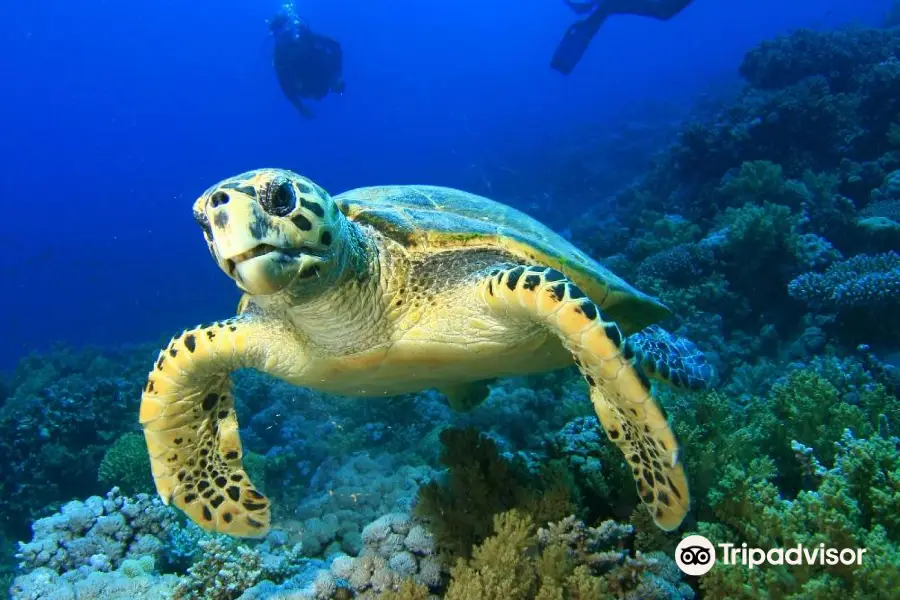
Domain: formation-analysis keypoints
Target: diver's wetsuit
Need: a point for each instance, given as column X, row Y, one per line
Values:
column 579, row 36
column 307, row 64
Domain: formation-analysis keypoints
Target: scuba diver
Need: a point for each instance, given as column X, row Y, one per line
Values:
column 579, row 36
column 308, row 65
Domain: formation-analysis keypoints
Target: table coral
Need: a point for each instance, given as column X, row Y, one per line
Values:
column 860, row 282
column 863, row 291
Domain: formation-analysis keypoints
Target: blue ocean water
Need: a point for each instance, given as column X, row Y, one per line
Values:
column 114, row 117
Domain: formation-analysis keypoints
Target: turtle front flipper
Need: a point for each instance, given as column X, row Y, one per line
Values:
column 671, row 359
column 632, row 418
column 190, row 426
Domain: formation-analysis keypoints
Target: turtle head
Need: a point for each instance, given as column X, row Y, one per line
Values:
column 271, row 230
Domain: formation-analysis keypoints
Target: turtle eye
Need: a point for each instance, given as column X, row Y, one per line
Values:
column 278, row 200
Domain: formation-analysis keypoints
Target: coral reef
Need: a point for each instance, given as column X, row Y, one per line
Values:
column 99, row 531
column 604, row 483
column 65, row 410
column 134, row 579
column 870, row 282
column 863, row 291
column 851, row 507
column 518, row 410
column 119, row 547
column 395, row 549
column 346, row 495
column 126, row 464
column 225, row 569
column 481, row 483
column 564, row 560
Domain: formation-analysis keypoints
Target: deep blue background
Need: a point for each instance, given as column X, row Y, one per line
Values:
column 115, row 115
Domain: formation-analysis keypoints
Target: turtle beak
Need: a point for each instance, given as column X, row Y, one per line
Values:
column 266, row 271
column 258, row 251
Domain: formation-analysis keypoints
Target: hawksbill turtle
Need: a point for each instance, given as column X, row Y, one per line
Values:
column 396, row 289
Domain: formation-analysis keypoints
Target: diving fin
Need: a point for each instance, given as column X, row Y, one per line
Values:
column 575, row 43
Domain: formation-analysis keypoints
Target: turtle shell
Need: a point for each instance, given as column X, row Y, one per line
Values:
column 433, row 219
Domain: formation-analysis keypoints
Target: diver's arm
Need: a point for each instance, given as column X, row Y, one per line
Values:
column 331, row 57
column 289, row 63
column 337, row 68
column 331, row 51
column 332, row 46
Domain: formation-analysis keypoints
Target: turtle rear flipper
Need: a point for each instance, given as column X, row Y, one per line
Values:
column 463, row 397
column 191, row 430
column 671, row 359
column 620, row 393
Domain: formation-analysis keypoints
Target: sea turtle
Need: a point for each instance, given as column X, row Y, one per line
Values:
column 395, row 289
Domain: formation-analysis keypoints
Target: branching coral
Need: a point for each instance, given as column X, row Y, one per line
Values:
column 519, row 409
column 758, row 254
column 813, row 252
column 808, row 409
column 717, row 432
column 852, row 507
column 564, row 561
column 226, row 569
column 660, row 233
column 682, row 264
column 759, row 234
column 480, row 483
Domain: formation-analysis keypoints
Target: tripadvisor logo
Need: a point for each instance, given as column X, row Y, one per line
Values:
column 696, row 555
